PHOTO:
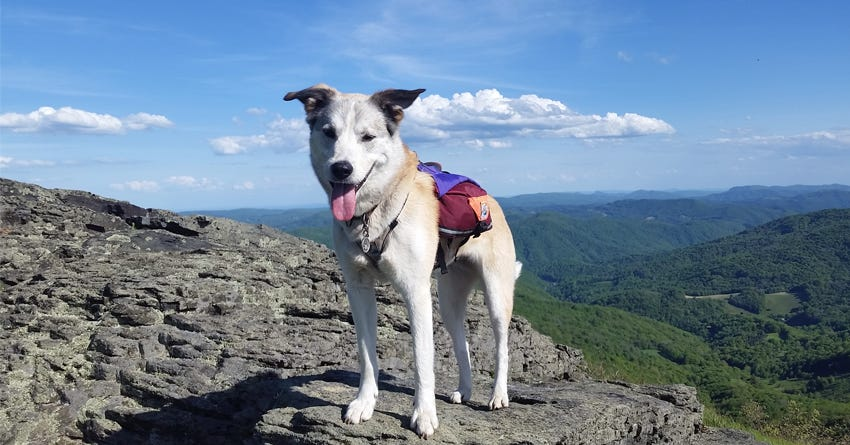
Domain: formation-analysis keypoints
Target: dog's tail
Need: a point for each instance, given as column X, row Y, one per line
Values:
column 518, row 266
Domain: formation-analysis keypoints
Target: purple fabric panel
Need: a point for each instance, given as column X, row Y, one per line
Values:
column 445, row 181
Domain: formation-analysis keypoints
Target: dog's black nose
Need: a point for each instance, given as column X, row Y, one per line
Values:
column 341, row 170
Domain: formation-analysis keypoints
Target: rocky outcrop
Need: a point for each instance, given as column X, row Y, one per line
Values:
column 126, row 325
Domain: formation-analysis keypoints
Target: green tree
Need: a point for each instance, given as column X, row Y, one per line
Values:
column 749, row 300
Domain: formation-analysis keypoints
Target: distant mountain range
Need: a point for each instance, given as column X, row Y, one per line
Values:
column 760, row 193
column 593, row 198
column 554, row 231
column 740, row 194
column 745, row 205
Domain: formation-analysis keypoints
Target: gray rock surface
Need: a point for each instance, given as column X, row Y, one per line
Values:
column 126, row 325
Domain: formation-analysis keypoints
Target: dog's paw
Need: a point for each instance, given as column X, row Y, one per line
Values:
column 499, row 399
column 424, row 421
column 359, row 410
column 461, row 396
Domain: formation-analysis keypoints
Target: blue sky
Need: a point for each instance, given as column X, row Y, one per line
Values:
column 178, row 105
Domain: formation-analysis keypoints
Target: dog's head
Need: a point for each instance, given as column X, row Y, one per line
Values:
column 354, row 144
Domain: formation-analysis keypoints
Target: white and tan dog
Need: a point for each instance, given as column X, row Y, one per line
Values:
column 386, row 228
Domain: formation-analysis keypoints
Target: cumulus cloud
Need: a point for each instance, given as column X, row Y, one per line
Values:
column 486, row 119
column 143, row 121
column 488, row 115
column 192, row 182
column 491, row 143
column 232, row 145
column 137, row 186
column 72, row 120
column 281, row 134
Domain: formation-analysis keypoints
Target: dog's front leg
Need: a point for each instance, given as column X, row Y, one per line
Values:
column 423, row 421
column 361, row 298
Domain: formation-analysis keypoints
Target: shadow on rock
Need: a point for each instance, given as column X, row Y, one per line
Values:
column 224, row 417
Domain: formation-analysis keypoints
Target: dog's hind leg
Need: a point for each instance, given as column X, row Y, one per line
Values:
column 453, row 290
column 361, row 298
column 498, row 293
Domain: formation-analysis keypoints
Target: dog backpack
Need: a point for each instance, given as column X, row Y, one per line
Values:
column 464, row 210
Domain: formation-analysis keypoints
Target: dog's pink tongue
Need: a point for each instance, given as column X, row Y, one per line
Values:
column 343, row 201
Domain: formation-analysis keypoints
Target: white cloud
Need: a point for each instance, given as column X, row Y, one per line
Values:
column 143, row 121
column 72, row 120
column 65, row 119
column 614, row 125
column 34, row 163
column 247, row 185
column 192, row 182
column 281, row 134
column 182, row 180
column 491, row 143
column 137, row 186
column 172, row 182
column 836, row 138
column 232, row 145
column 256, row 111
column 483, row 119
column 6, row 161
column 624, row 56
column 487, row 115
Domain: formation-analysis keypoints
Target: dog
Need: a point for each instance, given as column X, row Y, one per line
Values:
column 385, row 228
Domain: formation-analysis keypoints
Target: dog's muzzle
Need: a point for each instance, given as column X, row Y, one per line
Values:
column 343, row 194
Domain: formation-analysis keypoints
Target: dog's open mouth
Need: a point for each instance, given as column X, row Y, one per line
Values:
column 344, row 198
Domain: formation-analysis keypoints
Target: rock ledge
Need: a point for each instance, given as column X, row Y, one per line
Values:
column 128, row 325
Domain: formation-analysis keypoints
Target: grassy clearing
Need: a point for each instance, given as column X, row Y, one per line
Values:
column 714, row 419
column 780, row 303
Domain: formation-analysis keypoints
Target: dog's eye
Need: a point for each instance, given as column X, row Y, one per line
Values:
column 329, row 131
column 367, row 137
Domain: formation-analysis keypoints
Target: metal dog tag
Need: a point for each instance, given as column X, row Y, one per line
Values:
column 365, row 244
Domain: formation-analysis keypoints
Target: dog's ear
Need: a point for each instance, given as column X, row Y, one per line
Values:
column 393, row 102
column 314, row 99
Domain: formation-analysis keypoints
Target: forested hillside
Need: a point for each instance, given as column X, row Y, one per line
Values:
column 802, row 350
column 553, row 243
column 807, row 255
column 621, row 345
